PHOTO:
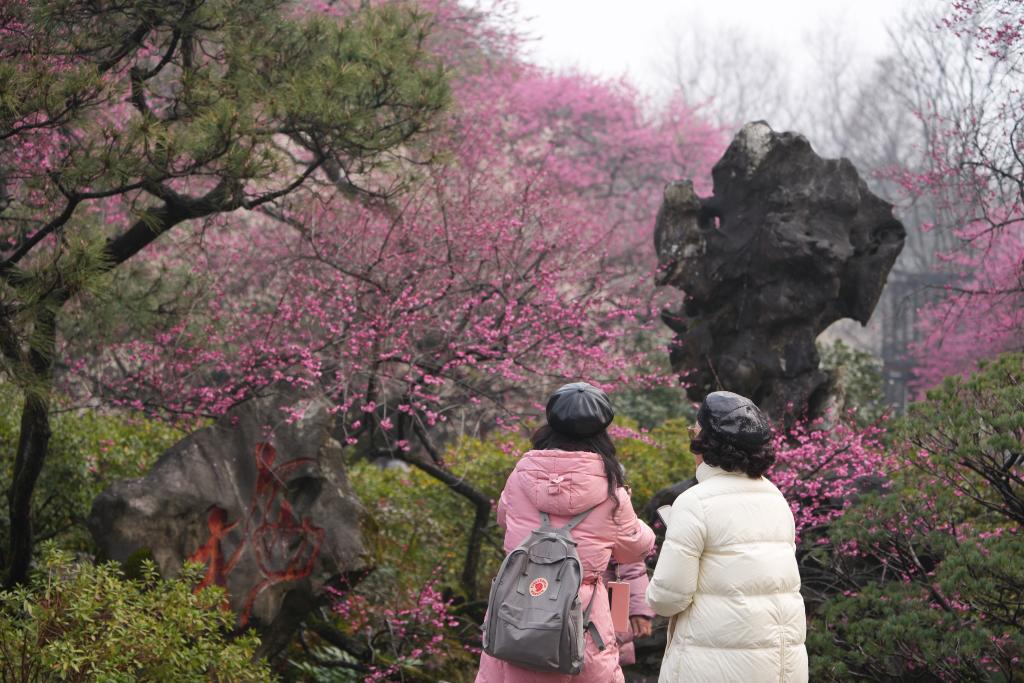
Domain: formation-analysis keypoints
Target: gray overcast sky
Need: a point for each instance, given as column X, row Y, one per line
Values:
column 614, row 38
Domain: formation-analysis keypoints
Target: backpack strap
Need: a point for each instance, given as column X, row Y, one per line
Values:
column 575, row 520
column 590, row 626
column 545, row 520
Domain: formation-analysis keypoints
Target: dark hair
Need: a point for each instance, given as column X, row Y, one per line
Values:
column 547, row 439
column 720, row 453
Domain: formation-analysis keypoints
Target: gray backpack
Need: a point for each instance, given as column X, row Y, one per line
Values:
column 534, row 616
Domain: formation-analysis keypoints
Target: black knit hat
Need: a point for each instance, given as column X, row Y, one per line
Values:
column 579, row 410
column 735, row 420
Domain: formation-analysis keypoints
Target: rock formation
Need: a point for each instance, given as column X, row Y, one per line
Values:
column 262, row 502
column 787, row 244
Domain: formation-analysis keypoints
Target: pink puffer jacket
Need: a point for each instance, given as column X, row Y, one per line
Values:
column 564, row 484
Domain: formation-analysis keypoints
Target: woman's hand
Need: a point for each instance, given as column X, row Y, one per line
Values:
column 641, row 627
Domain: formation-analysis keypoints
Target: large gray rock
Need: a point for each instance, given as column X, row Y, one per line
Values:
column 264, row 504
column 787, row 244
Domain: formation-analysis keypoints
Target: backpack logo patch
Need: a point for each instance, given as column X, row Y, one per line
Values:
column 538, row 586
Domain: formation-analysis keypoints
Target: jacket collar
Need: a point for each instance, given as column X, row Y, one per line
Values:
column 706, row 471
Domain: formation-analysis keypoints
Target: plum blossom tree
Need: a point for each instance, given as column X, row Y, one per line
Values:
column 519, row 259
column 980, row 315
column 977, row 174
column 119, row 122
column 522, row 261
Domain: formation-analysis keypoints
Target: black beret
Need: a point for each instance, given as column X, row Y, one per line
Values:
column 579, row 409
column 734, row 419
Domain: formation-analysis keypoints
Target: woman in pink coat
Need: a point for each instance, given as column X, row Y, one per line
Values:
column 571, row 469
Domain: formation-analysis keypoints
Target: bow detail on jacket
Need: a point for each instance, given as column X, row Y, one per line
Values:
column 557, row 484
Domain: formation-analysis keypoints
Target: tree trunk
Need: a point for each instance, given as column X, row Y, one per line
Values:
column 33, row 443
column 471, row 566
column 34, row 439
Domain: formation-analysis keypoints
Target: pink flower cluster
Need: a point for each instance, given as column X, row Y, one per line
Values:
column 413, row 628
column 998, row 25
column 821, row 468
column 981, row 312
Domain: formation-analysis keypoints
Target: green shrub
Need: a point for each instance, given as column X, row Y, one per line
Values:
column 653, row 406
column 88, row 451
column 416, row 532
column 932, row 570
column 656, row 459
column 858, row 382
column 80, row 622
column 328, row 664
column 418, row 525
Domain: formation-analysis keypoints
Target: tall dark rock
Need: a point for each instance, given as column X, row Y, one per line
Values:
column 787, row 244
column 263, row 502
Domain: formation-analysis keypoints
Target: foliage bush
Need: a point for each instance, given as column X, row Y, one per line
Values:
column 88, row 450
column 929, row 576
column 417, row 524
column 857, row 381
column 328, row 664
column 80, row 622
column 416, row 532
column 648, row 403
column 654, row 459
column 651, row 406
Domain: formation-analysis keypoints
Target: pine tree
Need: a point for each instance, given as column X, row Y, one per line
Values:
column 122, row 120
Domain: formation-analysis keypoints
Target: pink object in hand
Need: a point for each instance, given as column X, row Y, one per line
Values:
column 620, row 605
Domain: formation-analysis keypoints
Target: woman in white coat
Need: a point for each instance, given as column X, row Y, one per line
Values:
column 727, row 576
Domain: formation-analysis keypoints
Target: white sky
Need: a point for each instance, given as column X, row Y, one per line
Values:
column 615, row 38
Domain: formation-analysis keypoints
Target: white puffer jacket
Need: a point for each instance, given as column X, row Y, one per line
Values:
column 727, row 577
